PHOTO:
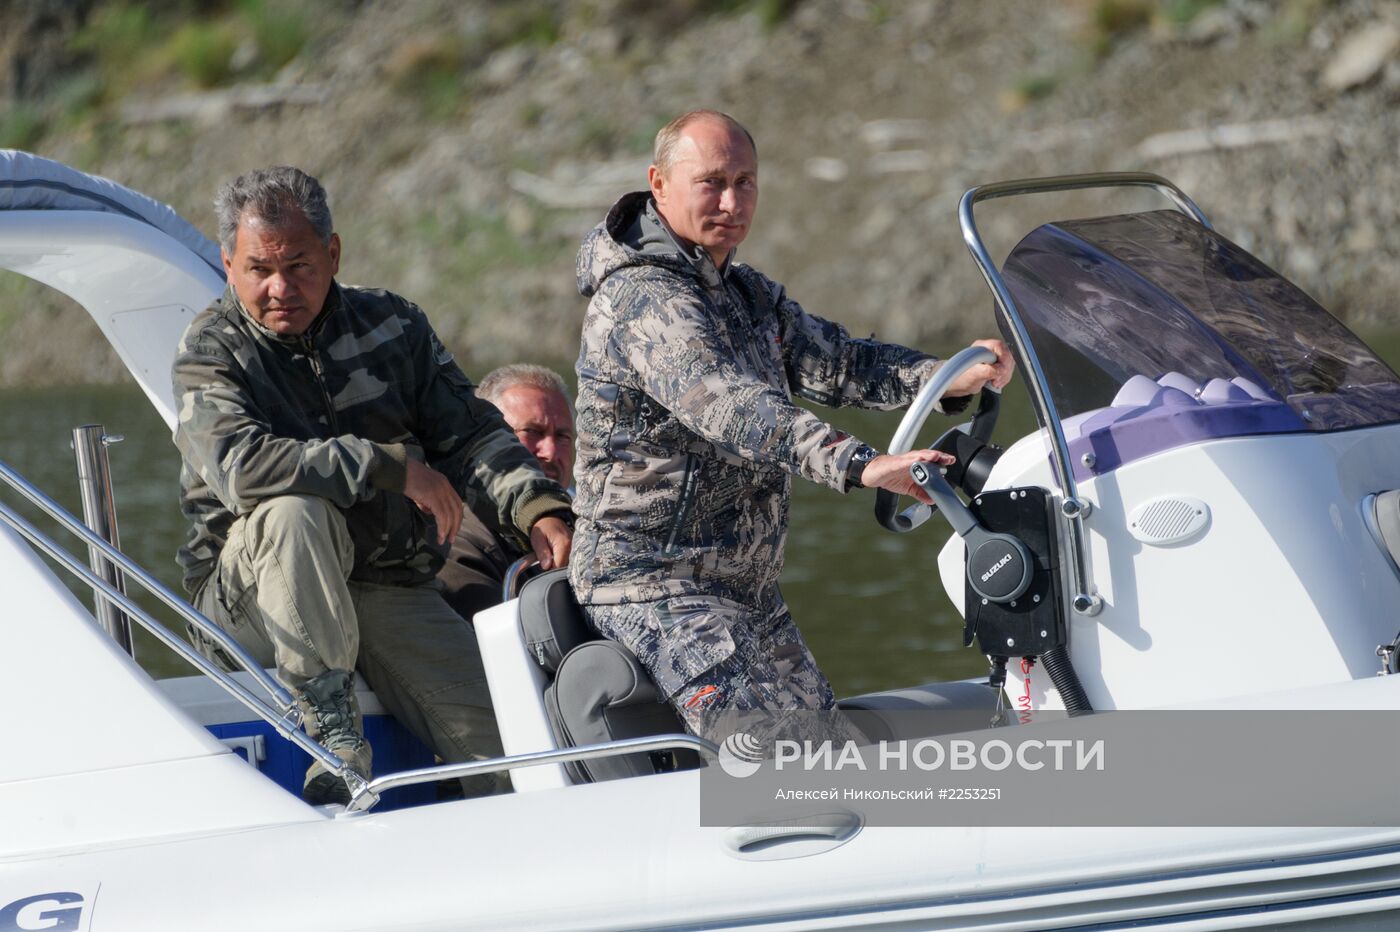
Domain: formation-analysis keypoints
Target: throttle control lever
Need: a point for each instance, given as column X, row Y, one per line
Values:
column 999, row 567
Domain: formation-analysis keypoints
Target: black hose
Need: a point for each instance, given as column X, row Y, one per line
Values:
column 1056, row 663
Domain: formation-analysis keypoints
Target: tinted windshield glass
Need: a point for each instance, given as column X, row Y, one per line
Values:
column 1157, row 296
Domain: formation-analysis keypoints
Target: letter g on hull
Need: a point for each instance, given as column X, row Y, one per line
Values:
column 46, row 912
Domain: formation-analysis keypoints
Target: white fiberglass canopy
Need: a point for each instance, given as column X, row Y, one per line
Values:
column 140, row 270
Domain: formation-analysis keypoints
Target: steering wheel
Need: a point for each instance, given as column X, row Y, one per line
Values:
column 980, row 427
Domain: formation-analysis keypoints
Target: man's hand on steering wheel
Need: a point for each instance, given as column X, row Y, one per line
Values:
column 997, row 373
column 890, row 471
column 966, row 371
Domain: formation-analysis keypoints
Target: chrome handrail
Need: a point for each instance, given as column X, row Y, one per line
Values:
column 511, row 583
column 148, row 582
column 90, row 443
column 1085, row 598
column 368, row 795
column 284, row 715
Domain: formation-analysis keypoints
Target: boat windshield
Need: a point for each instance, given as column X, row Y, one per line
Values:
column 1154, row 332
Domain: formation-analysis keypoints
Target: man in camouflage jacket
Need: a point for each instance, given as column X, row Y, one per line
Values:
column 328, row 438
column 688, row 434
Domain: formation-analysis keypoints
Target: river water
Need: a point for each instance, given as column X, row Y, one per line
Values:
column 869, row 602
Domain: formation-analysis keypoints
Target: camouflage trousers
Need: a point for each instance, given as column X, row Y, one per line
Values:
column 714, row 660
column 281, row 590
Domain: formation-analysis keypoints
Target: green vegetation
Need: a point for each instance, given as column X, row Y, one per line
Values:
column 75, row 99
column 1027, row 89
column 201, row 44
column 597, row 136
column 431, row 72
column 203, row 52
column 279, row 30
column 127, row 47
column 525, row 23
column 435, row 70
column 1105, row 23
column 118, row 38
column 1180, row 12
column 1294, row 21
column 1035, row 86
column 478, row 244
column 773, row 12
column 531, row 114
column 667, row 16
column 1110, row 20
column 21, row 127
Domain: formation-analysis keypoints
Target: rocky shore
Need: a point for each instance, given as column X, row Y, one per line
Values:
column 468, row 147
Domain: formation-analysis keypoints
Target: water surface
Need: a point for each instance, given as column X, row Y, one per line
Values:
column 869, row 602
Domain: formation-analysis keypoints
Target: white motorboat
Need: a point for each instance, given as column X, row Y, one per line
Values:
column 1215, row 470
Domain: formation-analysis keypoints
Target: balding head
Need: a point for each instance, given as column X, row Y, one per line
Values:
column 664, row 151
column 704, row 180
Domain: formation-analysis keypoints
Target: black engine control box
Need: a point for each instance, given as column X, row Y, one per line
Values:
column 1034, row 622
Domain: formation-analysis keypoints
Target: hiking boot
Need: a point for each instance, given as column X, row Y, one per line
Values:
column 332, row 717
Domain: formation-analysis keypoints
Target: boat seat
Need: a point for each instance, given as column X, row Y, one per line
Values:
column 597, row 690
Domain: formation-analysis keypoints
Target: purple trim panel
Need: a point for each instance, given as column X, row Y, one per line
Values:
column 1150, row 417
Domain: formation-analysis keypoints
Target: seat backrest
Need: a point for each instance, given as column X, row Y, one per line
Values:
column 597, row 690
column 551, row 620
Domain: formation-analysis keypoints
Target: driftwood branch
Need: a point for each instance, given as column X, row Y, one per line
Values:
column 212, row 106
column 1232, row 136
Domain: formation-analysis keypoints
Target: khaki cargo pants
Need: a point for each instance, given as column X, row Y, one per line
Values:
column 281, row 589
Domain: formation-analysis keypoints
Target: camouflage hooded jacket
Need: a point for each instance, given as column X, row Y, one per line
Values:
column 687, row 430
column 335, row 413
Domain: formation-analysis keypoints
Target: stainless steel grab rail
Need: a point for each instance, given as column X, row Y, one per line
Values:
column 148, row 582
column 368, row 795
column 90, row 444
column 285, row 718
column 515, row 574
column 1085, row 598
column 284, row 715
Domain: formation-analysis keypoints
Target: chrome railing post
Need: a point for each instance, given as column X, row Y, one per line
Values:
column 135, row 573
column 284, row 714
column 1085, row 599
column 90, row 444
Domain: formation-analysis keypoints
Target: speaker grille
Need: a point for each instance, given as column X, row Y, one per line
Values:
column 1168, row 520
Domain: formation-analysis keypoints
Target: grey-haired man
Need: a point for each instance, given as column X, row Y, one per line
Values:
column 535, row 404
column 328, row 440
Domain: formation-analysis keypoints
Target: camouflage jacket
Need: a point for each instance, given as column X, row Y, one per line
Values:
column 335, row 413
column 687, row 430
column 476, row 567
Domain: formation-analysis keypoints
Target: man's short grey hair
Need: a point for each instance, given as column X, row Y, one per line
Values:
column 664, row 152
column 272, row 195
column 497, row 381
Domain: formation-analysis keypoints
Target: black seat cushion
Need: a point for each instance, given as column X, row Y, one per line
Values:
column 551, row 620
column 599, row 691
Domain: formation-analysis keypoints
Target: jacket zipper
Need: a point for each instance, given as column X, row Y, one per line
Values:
column 683, row 506
column 320, row 374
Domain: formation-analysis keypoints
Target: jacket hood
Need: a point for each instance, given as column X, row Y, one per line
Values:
column 633, row 234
